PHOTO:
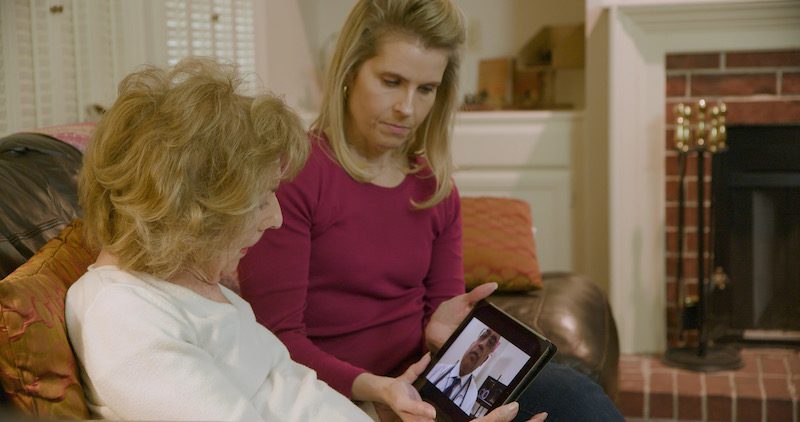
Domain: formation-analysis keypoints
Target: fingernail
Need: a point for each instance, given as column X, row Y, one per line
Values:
column 541, row 417
column 511, row 409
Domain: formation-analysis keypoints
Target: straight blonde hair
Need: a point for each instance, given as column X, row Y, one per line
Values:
column 437, row 24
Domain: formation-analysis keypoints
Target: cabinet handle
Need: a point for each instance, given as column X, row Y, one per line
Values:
column 56, row 9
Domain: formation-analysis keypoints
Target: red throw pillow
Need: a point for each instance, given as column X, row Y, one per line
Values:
column 498, row 244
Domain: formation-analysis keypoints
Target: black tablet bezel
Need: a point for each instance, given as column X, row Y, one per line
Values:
column 535, row 345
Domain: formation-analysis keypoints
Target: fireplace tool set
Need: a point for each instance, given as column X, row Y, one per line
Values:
column 702, row 138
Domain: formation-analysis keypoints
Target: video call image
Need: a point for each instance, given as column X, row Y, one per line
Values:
column 477, row 368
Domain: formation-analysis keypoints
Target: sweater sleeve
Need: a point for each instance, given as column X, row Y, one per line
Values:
column 274, row 278
column 141, row 366
column 445, row 277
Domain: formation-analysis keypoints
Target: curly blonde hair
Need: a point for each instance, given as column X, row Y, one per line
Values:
column 437, row 24
column 178, row 166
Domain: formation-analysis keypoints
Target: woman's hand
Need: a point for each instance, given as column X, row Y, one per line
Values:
column 450, row 313
column 395, row 398
column 507, row 412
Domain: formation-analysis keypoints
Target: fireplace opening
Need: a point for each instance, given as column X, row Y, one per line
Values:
column 756, row 226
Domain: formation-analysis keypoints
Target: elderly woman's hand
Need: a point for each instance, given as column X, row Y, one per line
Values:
column 507, row 412
column 395, row 399
column 451, row 312
column 405, row 404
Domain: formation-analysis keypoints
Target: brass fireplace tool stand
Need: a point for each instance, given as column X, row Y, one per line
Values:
column 701, row 139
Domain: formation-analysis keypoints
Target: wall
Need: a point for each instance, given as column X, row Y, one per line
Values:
column 495, row 28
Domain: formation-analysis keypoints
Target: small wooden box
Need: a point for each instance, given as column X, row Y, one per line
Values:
column 495, row 79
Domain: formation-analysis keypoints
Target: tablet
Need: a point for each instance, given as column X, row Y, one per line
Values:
column 486, row 363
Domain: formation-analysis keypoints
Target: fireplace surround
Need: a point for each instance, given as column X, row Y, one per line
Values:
column 620, row 164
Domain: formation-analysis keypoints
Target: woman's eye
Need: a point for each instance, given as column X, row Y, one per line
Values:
column 427, row 89
column 391, row 82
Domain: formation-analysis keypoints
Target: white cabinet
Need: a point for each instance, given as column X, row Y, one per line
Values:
column 523, row 155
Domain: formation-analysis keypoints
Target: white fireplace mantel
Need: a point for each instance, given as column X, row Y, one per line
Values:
column 625, row 122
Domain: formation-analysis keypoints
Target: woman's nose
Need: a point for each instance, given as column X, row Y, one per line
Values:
column 405, row 104
column 273, row 219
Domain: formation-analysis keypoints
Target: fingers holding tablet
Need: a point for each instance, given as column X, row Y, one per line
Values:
column 486, row 363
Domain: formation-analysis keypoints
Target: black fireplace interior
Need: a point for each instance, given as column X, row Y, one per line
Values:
column 756, row 226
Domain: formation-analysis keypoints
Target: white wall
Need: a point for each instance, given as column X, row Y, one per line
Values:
column 496, row 28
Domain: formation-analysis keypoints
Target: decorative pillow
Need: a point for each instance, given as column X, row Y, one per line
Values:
column 78, row 135
column 498, row 244
column 38, row 370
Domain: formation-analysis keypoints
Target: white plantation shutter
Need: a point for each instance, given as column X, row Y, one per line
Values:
column 57, row 58
column 214, row 28
column 18, row 95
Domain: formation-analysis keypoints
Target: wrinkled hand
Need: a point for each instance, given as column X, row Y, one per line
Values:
column 403, row 402
column 451, row 312
column 508, row 412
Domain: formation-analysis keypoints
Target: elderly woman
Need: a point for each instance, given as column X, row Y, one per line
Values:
column 177, row 183
column 366, row 272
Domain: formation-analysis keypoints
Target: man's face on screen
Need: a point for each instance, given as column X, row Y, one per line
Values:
column 479, row 351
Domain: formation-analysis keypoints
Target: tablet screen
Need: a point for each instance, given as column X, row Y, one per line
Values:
column 487, row 362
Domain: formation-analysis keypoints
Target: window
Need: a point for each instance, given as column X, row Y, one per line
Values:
column 216, row 28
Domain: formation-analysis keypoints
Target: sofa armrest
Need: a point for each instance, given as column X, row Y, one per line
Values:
column 38, row 181
column 573, row 312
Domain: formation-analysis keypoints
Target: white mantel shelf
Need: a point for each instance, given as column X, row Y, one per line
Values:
column 630, row 123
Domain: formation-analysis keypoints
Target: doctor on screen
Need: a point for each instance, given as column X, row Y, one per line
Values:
column 456, row 380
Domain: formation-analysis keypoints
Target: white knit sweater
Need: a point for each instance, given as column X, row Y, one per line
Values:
column 153, row 350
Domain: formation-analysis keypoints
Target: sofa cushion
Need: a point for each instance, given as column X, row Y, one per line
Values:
column 498, row 244
column 38, row 370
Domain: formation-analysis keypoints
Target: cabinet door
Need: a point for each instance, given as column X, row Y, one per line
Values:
column 546, row 191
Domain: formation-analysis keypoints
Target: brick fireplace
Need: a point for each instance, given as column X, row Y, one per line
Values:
column 759, row 88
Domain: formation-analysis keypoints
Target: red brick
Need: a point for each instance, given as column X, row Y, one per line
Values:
column 690, row 407
column 689, row 216
column 733, row 84
column 779, row 410
column 763, row 112
column 750, row 367
column 676, row 86
column 718, row 385
column 763, row 58
column 790, row 83
column 661, row 405
column 748, row 409
column 631, row 404
column 794, row 363
column 773, row 365
column 631, row 364
column 693, row 61
column 776, row 388
column 719, row 408
column 747, row 385
column 689, row 269
column 661, row 378
column 631, row 383
column 689, row 393
column 689, row 383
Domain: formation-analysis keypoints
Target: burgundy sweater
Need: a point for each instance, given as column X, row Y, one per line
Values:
column 351, row 278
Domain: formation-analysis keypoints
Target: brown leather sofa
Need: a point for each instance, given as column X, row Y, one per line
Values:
column 38, row 186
